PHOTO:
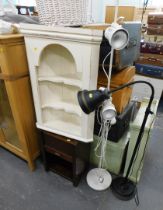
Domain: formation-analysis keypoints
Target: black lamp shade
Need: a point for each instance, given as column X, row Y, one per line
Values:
column 90, row 100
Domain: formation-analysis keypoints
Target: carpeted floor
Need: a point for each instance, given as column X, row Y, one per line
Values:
column 21, row 189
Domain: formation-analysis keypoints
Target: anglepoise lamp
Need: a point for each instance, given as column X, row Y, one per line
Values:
column 99, row 178
column 122, row 187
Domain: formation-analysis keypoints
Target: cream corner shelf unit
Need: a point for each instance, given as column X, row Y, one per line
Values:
column 62, row 61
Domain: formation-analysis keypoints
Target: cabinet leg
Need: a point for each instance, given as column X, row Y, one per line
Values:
column 76, row 178
column 46, row 167
column 31, row 165
column 76, row 181
column 43, row 153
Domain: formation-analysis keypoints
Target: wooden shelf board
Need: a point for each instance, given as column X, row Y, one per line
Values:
column 64, row 80
column 67, row 107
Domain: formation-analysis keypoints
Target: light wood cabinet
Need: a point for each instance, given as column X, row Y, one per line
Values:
column 17, row 118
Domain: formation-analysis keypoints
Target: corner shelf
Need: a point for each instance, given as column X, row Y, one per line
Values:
column 62, row 61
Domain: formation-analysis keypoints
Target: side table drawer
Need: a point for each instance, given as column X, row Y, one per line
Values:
column 59, row 144
column 58, row 153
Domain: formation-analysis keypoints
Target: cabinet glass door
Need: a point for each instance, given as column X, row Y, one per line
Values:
column 7, row 123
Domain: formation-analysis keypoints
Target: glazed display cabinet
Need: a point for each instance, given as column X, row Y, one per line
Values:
column 17, row 118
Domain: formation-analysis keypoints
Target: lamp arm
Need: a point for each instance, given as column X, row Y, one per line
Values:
column 147, row 112
column 132, row 83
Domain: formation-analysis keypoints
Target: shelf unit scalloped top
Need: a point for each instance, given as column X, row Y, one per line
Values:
column 65, row 33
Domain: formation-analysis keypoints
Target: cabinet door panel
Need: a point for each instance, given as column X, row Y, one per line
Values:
column 7, row 123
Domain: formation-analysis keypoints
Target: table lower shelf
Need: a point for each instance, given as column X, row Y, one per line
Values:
column 60, row 166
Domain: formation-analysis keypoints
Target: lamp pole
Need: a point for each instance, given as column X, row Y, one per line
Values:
column 122, row 187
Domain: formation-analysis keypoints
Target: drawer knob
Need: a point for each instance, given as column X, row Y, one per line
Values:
column 68, row 140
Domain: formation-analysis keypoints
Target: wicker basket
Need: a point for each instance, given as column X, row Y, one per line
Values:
column 64, row 12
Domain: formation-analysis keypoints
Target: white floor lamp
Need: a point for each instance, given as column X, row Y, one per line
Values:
column 99, row 178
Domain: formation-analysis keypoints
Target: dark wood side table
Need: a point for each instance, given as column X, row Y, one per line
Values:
column 67, row 157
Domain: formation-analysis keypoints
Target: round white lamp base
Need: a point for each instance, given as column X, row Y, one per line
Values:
column 99, row 179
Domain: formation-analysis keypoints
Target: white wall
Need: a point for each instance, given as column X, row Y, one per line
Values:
column 97, row 9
